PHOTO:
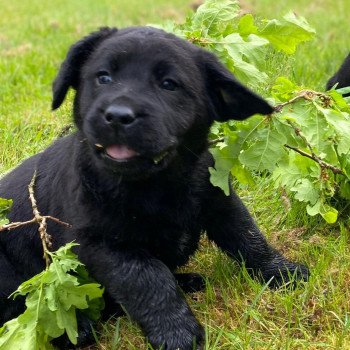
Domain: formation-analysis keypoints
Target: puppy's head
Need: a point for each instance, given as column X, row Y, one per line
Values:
column 145, row 97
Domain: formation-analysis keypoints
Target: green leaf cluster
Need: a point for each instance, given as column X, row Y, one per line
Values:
column 5, row 206
column 241, row 42
column 323, row 125
column 52, row 299
column 317, row 124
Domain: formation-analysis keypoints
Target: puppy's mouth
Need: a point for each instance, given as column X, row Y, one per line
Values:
column 120, row 153
column 124, row 154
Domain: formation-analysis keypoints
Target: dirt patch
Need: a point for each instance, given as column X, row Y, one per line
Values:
column 18, row 50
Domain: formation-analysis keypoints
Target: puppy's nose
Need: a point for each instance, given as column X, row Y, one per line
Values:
column 119, row 115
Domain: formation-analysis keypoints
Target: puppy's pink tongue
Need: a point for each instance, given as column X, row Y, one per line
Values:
column 120, row 152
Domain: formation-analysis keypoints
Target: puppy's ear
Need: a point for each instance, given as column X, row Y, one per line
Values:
column 342, row 76
column 69, row 73
column 230, row 99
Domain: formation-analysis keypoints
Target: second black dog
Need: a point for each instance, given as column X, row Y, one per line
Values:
column 341, row 77
column 134, row 182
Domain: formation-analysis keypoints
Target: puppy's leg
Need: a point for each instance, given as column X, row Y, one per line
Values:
column 230, row 226
column 9, row 282
column 190, row 282
column 147, row 290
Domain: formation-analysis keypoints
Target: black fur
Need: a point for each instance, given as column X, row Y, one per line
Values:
column 134, row 182
column 341, row 77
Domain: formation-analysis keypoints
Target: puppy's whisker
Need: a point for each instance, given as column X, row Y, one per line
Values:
column 195, row 154
column 119, row 181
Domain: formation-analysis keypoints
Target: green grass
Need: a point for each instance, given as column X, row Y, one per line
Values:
column 315, row 61
column 238, row 312
column 34, row 38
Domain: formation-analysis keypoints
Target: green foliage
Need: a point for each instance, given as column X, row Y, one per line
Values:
column 240, row 42
column 304, row 146
column 5, row 206
column 52, row 299
column 315, row 316
column 288, row 33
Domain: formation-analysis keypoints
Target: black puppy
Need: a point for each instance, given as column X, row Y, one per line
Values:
column 342, row 76
column 133, row 180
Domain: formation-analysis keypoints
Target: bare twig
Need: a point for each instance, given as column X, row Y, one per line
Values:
column 14, row 225
column 215, row 141
column 300, row 134
column 38, row 219
column 44, row 236
column 322, row 163
column 306, row 95
column 57, row 221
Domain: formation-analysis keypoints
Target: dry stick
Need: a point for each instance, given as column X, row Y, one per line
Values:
column 13, row 225
column 215, row 141
column 44, row 236
column 322, row 163
column 39, row 219
column 306, row 95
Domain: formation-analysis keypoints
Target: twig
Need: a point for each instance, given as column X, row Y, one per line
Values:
column 14, row 225
column 215, row 141
column 306, row 95
column 57, row 221
column 313, row 155
column 38, row 219
column 44, row 236
column 322, row 163
column 300, row 134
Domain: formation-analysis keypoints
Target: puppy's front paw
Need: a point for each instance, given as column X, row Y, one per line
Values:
column 185, row 334
column 283, row 271
column 190, row 282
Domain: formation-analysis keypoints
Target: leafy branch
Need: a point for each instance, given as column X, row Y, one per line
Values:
column 52, row 296
column 304, row 146
column 308, row 95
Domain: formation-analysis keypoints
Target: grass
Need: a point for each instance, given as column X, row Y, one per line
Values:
column 238, row 312
column 33, row 42
column 317, row 60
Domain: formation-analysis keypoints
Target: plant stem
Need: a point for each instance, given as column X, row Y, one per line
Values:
column 306, row 95
column 44, row 236
column 322, row 163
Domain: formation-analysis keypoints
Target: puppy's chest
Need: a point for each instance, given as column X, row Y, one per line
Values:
column 166, row 223
column 167, row 213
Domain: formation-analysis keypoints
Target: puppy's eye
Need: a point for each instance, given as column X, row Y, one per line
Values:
column 169, row 84
column 103, row 78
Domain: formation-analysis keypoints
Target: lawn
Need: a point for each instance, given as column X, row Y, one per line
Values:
column 238, row 312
